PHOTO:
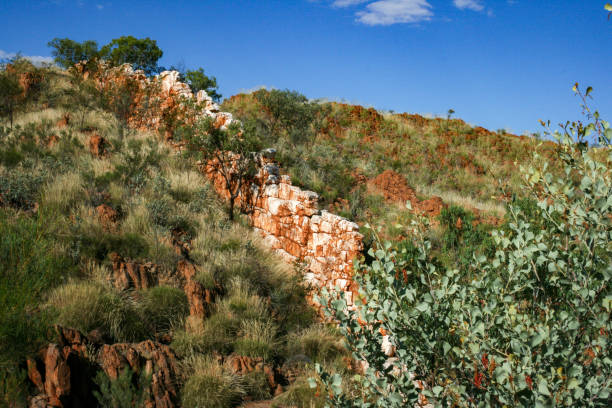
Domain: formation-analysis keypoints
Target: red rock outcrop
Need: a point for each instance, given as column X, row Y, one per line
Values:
column 97, row 145
column 63, row 371
column 200, row 299
column 63, row 121
column 107, row 216
column 158, row 360
column 243, row 365
column 394, row 187
column 128, row 274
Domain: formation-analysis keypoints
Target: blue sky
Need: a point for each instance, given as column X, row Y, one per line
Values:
column 497, row 63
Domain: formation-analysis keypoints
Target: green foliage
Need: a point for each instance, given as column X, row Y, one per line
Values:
column 136, row 163
column 29, row 267
column 461, row 236
column 10, row 94
column 256, row 339
column 67, row 52
column 256, row 385
column 320, row 344
column 12, row 387
column 89, row 306
column 19, row 188
column 128, row 390
column 528, row 327
column 197, row 80
column 164, row 307
column 289, row 112
column 141, row 53
column 211, row 385
column 232, row 152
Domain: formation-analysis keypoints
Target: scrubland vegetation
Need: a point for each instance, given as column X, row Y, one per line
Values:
column 56, row 255
column 501, row 299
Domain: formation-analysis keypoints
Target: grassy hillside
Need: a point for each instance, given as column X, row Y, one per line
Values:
column 86, row 200
column 77, row 202
column 366, row 164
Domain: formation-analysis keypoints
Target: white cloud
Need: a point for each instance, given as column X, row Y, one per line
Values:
column 34, row 59
column 347, row 3
column 387, row 12
column 475, row 5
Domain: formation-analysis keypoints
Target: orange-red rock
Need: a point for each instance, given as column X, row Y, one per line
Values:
column 129, row 274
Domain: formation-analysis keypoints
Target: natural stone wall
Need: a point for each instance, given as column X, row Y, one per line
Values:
column 291, row 223
column 287, row 218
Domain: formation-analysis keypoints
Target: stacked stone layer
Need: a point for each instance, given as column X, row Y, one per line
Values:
column 287, row 217
column 290, row 222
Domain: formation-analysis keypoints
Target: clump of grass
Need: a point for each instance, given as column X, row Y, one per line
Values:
column 29, row 267
column 300, row 395
column 163, row 306
column 214, row 334
column 64, row 192
column 256, row 339
column 256, row 385
column 87, row 306
column 320, row 343
column 210, row 385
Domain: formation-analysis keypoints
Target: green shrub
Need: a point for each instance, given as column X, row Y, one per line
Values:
column 256, row 385
column 124, row 391
column 98, row 244
column 29, row 267
column 530, row 328
column 211, row 385
column 300, row 395
column 215, row 334
column 19, row 188
column 461, row 236
column 163, row 307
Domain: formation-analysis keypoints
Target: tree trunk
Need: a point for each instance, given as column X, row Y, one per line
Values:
column 230, row 209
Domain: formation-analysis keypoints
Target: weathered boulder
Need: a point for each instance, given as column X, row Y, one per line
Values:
column 200, row 299
column 158, row 361
column 243, row 365
column 107, row 216
column 129, row 274
column 97, row 145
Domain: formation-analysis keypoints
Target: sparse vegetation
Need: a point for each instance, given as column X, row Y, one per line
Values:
column 501, row 299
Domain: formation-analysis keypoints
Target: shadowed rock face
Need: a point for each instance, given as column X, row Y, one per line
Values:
column 97, row 145
column 63, row 372
column 157, row 360
column 132, row 275
column 200, row 299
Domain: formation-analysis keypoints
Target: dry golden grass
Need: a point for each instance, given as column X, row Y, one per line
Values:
column 452, row 197
column 64, row 192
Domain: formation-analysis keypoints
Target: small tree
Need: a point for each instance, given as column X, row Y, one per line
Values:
column 229, row 152
column 11, row 94
column 141, row 53
column 197, row 81
column 68, row 52
column 289, row 112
